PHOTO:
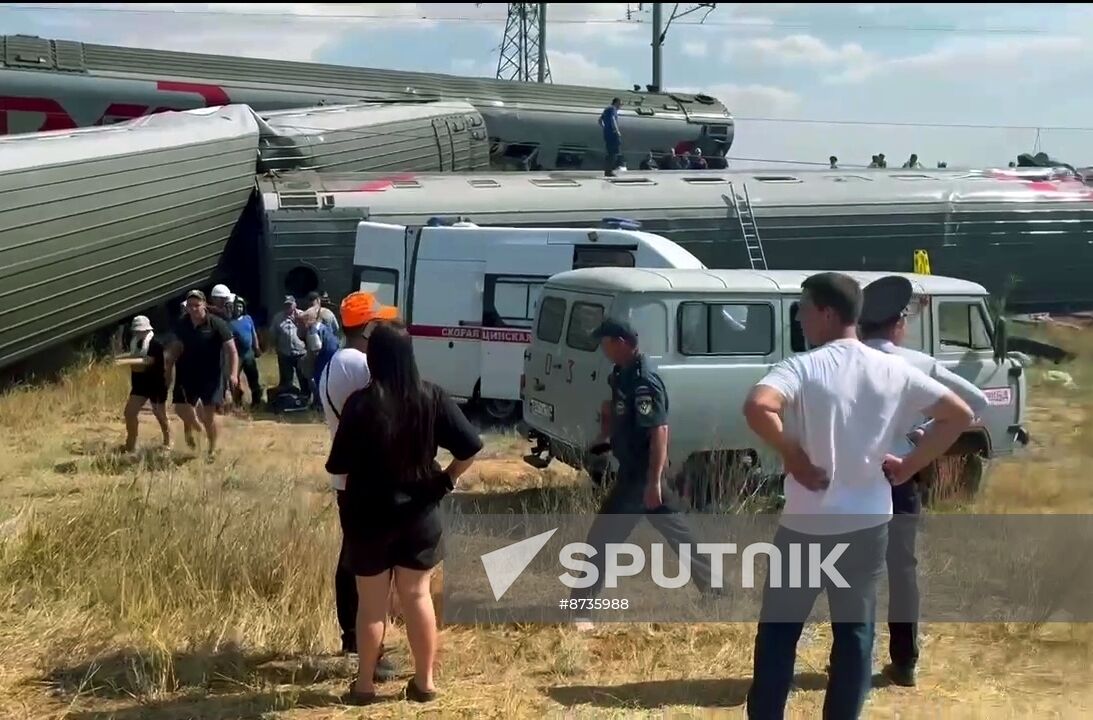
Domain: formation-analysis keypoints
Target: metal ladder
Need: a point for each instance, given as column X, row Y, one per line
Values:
column 748, row 228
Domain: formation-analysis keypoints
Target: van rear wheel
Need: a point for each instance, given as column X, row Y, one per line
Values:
column 501, row 411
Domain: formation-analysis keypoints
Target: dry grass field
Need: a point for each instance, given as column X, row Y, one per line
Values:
column 167, row 587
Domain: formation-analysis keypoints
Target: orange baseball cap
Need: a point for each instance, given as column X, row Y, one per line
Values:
column 361, row 308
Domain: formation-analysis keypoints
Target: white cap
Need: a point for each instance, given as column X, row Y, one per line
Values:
column 220, row 292
column 231, row 298
column 141, row 324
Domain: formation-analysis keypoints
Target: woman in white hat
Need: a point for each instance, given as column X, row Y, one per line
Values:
column 148, row 382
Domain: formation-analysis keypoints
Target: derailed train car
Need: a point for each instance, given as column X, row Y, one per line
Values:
column 1024, row 236
column 61, row 84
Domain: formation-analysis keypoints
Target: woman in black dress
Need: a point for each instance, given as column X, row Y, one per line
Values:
column 148, row 382
column 386, row 445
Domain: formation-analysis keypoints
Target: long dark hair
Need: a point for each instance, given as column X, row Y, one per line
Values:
column 402, row 403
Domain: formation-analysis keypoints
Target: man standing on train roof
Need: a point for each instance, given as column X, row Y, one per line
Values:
column 637, row 424
column 883, row 327
column 612, row 137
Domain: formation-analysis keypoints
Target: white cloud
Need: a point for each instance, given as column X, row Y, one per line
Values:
column 573, row 68
column 695, row 48
column 253, row 30
column 753, row 100
column 970, row 61
column 797, row 49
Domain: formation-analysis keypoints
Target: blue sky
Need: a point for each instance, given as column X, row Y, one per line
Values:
column 1013, row 65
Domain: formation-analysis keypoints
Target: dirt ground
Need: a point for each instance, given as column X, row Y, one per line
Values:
column 168, row 587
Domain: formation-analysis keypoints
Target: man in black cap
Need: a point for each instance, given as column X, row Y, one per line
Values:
column 884, row 327
column 201, row 342
column 638, row 431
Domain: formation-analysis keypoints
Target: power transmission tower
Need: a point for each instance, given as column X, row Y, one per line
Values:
column 523, row 51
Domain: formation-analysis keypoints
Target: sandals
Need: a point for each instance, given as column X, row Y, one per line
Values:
column 413, row 693
column 416, row 694
column 356, row 698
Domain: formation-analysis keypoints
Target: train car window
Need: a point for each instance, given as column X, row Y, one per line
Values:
column 405, row 184
column 710, row 180
column 520, row 151
column 631, row 181
column 848, row 178
column 912, row 177
column 569, row 159
column 484, row 183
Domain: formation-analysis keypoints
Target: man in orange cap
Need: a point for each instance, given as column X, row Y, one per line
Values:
column 346, row 373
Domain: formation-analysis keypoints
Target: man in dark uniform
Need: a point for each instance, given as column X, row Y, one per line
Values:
column 883, row 326
column 638, row 429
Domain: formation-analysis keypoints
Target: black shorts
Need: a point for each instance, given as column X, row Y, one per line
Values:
column 209, row 391
column 154, row 389
column 415, row 544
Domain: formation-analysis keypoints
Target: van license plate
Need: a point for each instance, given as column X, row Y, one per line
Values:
column 542, row 409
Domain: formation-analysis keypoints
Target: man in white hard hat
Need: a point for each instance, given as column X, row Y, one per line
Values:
column 220, row 302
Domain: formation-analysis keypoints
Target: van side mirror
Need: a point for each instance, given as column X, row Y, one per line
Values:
column 1001, row 339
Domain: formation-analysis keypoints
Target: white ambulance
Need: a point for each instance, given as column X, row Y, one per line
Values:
column 469, row 294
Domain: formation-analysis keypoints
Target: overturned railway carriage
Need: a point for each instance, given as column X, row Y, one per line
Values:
column 97, row 224
column 1025, row 238
column 60, row 84
column 425, row 137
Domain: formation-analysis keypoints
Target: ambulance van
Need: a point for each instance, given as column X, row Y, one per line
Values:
column 469, row 294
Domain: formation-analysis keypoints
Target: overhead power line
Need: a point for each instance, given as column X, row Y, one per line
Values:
column 743, row 23
column 883, row 123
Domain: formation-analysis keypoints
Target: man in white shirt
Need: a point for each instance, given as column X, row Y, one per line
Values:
column 884, row 327
column 833, row 415
column 346, row 373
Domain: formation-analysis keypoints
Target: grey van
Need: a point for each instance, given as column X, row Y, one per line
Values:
column 712, row 334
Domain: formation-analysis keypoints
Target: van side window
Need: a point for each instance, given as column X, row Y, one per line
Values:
column 584, row 318
column 551, row 320
column 963, row 324
column 797, row 342
column 510, row 301
column 588, row 257
column 726, row 329
column 381, row 282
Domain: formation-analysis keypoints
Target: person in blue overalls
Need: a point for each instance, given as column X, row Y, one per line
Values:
column 323, row 341
column 612, row 138
column 638, row 430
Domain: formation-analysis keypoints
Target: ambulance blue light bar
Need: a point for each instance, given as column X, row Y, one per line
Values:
column 620, row 224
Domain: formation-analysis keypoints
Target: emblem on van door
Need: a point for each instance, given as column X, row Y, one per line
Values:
column 645, row 405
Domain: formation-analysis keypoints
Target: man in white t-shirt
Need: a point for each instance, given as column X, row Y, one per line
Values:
column 833, row 415
column 346, row 373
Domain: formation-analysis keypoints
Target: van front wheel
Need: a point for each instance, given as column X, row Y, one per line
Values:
column 501, row 411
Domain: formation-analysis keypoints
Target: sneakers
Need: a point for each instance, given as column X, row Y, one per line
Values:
column 902, row 675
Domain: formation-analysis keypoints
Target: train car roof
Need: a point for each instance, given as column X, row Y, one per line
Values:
column 153, row 132
column 23, row 52
column 787, row 282
column 491, row 193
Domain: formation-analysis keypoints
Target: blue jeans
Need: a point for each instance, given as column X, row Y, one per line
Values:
column 853, row 613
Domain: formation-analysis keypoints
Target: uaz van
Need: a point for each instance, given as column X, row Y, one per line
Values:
column 712, row 334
